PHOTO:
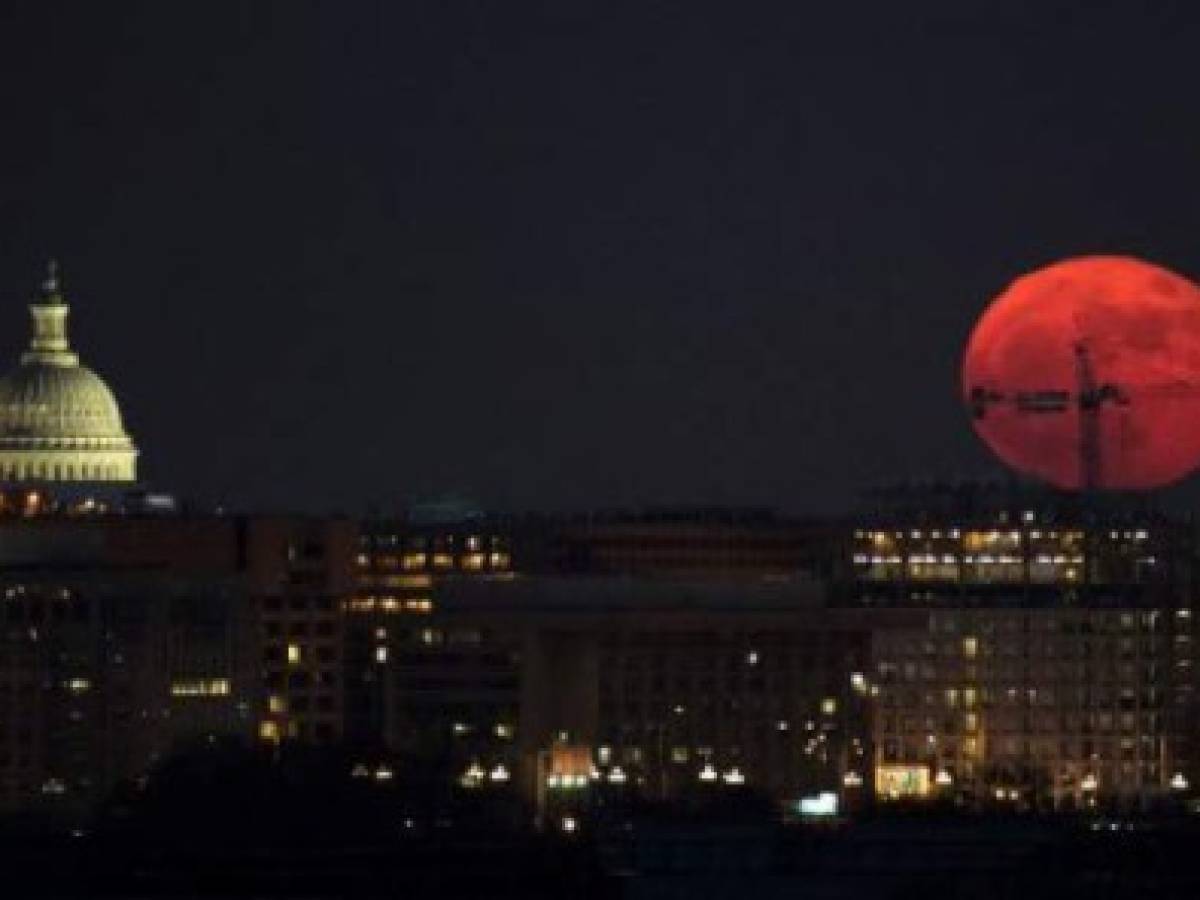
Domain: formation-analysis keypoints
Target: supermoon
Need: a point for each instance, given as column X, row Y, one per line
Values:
column 1086, row 373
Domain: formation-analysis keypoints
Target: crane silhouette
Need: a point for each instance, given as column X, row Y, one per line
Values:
column 1089, row 397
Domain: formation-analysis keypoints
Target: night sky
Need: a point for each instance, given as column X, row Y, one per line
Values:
column 560, row 255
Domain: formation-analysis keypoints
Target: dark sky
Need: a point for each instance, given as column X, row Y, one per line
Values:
column 561, row 255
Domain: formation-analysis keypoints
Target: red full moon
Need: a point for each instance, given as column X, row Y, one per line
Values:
column 1086, row 373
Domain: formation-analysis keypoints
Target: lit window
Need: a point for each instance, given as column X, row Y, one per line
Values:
column 504, row 731
column 752, row 658
column 201, row 687
column 268, row 731
column 276, row 704
column 381, row 654
column 78, row 685
column 409, row 581
column 829, row 706
column 970, row 647
column 293, row 653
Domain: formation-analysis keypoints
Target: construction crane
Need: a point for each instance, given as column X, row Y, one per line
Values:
column 1089, row 397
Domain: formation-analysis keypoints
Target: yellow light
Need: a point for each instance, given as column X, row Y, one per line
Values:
column 201, row 687
column 276, row 704
column 896, row 781
column 293, row 654
column 381, row 654
column 268, row 731
column 409, row 581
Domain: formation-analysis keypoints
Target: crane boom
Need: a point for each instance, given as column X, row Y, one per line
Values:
column 1088, row 398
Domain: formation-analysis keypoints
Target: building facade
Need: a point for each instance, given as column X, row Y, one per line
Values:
column 1029, row 659
column 125, row 636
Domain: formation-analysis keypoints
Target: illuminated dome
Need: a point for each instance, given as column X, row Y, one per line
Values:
column 58, row 420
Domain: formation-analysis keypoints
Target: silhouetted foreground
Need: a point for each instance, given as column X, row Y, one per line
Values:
column 223, row 821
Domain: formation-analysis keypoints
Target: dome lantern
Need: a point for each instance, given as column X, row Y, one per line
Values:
column 48, row 343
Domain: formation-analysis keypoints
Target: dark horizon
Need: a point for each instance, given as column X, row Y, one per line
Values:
column 561, row 259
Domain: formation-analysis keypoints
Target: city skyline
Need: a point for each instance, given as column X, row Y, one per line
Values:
column 565, row 260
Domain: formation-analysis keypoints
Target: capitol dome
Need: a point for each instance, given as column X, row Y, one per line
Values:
column 59, row 421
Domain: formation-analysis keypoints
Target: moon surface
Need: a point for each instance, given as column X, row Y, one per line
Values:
column 1140, row 326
